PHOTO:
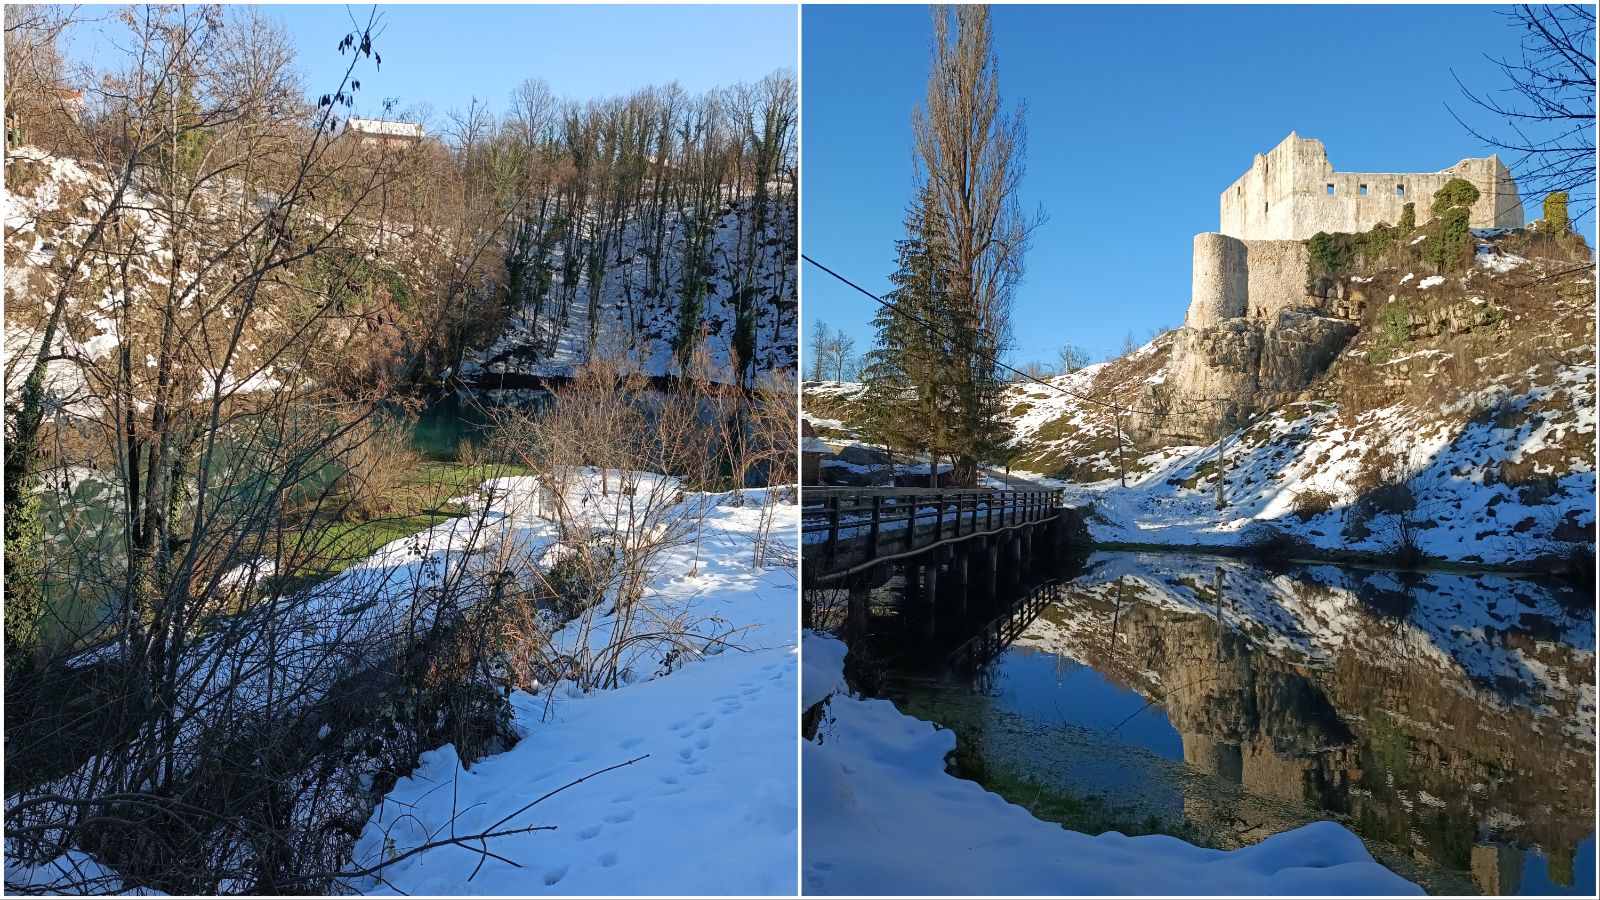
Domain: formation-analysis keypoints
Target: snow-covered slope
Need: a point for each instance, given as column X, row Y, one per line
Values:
column 1472, row 444
column 705, row 799
column 630, row 321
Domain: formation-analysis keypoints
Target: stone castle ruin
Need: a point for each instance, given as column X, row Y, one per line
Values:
column 1256, row 331
column 1292, row 192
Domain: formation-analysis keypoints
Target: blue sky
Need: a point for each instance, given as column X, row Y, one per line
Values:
column 447, row 54
column 1137, row 119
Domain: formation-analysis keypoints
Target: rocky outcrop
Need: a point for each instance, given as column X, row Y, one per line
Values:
column 1255, row 334
column 1221, row 374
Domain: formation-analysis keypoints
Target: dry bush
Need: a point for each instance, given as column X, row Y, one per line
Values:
column 1309, row 504
column 378, row 461
column 614, row 460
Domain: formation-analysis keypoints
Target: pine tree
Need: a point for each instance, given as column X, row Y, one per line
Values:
column 911, row 375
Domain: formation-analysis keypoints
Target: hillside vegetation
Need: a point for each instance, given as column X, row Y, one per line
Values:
column 1458, row 423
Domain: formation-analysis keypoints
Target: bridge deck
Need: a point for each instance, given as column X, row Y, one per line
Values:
column 845, row 531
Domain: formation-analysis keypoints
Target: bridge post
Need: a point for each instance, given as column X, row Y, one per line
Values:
column 930, row 604
column 991, row 568
column 1015, row 555
column 857, row 605
column 913, row 590
column 958, row 574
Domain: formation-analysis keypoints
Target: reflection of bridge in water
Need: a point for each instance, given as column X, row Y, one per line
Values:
column 957, row 552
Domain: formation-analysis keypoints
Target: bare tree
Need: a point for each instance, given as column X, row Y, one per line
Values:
column 972, row 157
column 1073, row 358
column 1546, row 106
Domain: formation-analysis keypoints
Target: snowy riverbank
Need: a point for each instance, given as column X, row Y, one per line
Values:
column 883, row 816
column 707, row 805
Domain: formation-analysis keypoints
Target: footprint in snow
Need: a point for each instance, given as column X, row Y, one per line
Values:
column 589, row 833
column 703, row 743
column 707, row 724
column 555, row 875
column 608, row 859
column 619, row 817
column 630, row 743
column 686, row 754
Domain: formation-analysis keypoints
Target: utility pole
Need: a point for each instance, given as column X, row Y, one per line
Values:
column 1222, row 462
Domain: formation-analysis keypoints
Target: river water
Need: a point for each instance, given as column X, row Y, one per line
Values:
column 1446, row 718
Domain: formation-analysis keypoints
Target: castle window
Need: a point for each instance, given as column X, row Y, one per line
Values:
column 1330, row 190
column 1363, row 190
column 1266, row 206
column 1399, row 190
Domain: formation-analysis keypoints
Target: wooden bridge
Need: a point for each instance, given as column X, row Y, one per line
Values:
column 960, row 556
column 848, row 531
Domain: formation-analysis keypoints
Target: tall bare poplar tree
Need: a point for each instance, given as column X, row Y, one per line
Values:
column 972, row 154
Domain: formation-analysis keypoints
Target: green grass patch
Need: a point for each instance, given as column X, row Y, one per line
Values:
column 422, row 502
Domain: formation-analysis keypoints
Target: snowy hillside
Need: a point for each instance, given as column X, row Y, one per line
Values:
column 550, row 342
column 1470, row 439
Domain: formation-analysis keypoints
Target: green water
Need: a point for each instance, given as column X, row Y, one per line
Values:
column 84, row 513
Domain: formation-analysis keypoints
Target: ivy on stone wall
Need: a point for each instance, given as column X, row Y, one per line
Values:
column 1336, row 254
column 1449, row 244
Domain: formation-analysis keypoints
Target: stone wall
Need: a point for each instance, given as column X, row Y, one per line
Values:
column 1285, row 195
column 1220, row 286
column 1245, row 278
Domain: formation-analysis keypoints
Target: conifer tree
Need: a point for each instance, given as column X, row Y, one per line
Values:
column 911, row 375
column 972, row 155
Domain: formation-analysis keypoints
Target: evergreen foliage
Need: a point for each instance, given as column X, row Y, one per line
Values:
column 911, row 373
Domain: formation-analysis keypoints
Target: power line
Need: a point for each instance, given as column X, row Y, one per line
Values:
column 894, row 308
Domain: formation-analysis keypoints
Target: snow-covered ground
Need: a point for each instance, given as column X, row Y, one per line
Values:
column 706, row 803
column 707, row 806
column 883, row 816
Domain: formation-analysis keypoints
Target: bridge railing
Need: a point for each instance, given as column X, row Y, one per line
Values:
column 845, row 530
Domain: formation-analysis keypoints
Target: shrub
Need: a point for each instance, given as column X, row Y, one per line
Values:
column 1311, row 503
column 1327, row 254
column 1393, row 330
column 1555, row 213
column 1408, row 217
column 1337, row 253
column 1271, row 542
column 1449, row 245
column 378, row 460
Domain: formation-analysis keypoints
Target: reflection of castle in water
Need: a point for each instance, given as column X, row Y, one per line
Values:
column 1452, row 716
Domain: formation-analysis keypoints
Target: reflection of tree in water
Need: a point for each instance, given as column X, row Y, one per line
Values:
column 1330, row 689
